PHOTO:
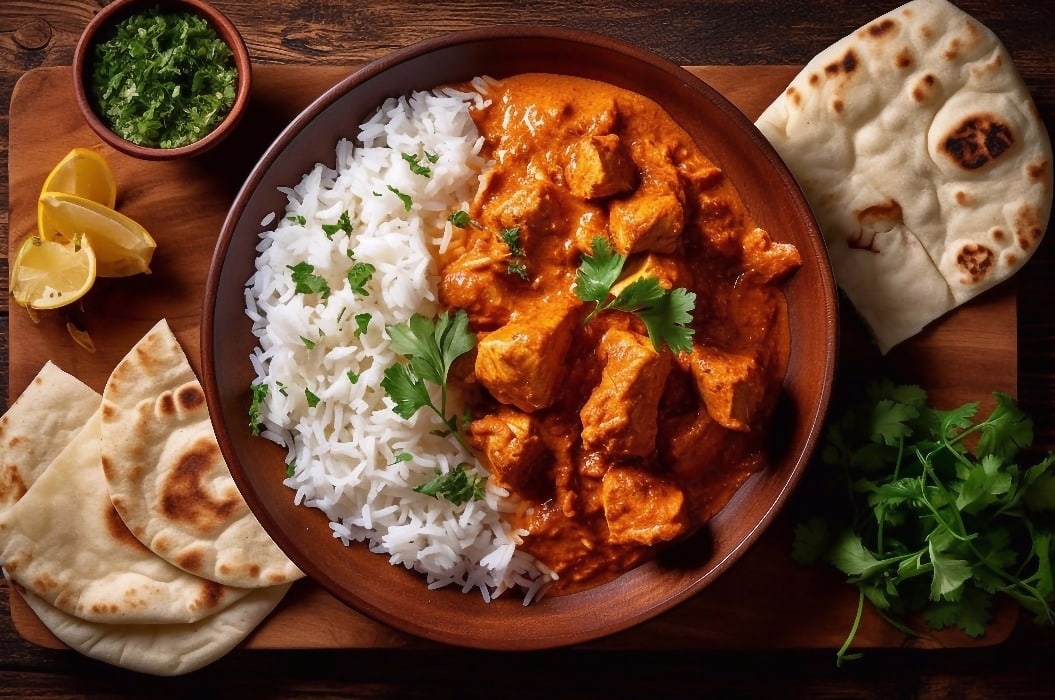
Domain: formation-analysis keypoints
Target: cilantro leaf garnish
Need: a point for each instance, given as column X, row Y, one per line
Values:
column 667, row 314
column 362, row 323
column 430, row 347
column 344, row 223
column 359, row 274
column 460, row 485
column 938, row 515
column 405, row 198
column 307, row 282
column 260, row 392
column 460, row 219
column 313, row 400
column 416, row 167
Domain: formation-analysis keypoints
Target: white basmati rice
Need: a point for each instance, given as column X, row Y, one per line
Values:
column 344, row 450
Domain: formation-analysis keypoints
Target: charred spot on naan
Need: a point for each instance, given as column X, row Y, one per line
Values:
column 186, row 497
column 979, row 141
column 975, row 261
column 874, row 219
column 211, row 595
column 881, row 28
column 924, row 88
column 12, row 487
column 1028, row 227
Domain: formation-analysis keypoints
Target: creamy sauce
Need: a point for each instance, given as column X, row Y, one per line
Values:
column 614, row 448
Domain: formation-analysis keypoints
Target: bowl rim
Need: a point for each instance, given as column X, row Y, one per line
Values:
column 120, row 9
column 372, row 69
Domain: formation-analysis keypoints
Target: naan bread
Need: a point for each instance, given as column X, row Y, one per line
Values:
column 167, row 477
column 64, row 542
column 161, row 650
column 924, row 159
column 52, row 409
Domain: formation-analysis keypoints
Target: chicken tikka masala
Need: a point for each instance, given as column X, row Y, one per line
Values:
column 614, row 444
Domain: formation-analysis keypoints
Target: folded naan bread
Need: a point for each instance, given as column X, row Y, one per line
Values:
column 924, row 159
column 167, row 477
column 64, row 542
column 52, row 409
column 161, row 650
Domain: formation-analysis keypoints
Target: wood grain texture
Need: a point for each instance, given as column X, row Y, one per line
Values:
column 333, row 33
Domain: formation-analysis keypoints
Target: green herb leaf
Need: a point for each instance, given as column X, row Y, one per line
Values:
column 405, row 198
column 359, row 275
column 362, row 323
column 416, row 166
column 667, row 315
column 307, row 282
column 460, row 219
column 313, row 400
column 459, row 485
column 297, row 219
column 430, row 347
column 308, row 343
column 259, row 392
column 344, row 223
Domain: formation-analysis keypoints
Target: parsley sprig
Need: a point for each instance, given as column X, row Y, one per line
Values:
column 665, row 313
column 940, row 515
column 430, row 347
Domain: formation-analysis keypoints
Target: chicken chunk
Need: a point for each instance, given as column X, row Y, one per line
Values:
column 620, row 416
column 651, row 219
column 598, row 167
column 510, row 445
column 768, row 260
column 534, row 206
column 732, row 386
column 523, row 362
column 475, row 282
column 669, row 271
column 641, row 507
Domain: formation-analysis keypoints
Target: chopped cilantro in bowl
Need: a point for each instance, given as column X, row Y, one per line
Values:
column 160, row 75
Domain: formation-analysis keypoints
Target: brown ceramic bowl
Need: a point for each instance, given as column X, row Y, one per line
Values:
column 400, row 598
column 99, row 29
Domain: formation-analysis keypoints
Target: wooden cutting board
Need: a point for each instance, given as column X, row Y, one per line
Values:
column 764, row 601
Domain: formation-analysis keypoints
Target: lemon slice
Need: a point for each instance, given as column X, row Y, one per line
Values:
column 50, row 274
column 82, row 172
column 122, row 247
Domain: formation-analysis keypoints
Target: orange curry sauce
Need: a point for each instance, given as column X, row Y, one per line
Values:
column 614, row 448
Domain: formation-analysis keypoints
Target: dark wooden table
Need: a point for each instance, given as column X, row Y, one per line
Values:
column 35, row 33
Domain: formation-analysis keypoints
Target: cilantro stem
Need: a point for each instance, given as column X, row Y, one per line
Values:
column 842, row 654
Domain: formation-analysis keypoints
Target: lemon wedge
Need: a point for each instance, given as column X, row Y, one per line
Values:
column 122, row 246
column 50, row 274
column 82, row 172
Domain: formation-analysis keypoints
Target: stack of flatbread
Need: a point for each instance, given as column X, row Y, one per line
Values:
column 924, row 159
column 120, row 522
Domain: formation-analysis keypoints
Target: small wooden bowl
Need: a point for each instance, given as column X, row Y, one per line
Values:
column 100, row 26
column 392, row 594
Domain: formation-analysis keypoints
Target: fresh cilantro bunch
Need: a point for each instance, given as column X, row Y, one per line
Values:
column 941, row 515
column 666, row 314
